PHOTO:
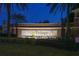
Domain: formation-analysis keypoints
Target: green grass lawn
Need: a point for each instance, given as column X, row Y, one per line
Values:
column 20, row 47
column 32, row 50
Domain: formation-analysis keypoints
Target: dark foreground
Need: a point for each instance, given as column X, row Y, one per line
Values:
column 23, row 48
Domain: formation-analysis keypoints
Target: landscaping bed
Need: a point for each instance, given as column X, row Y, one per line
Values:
column 60, row 44
column 19, row 46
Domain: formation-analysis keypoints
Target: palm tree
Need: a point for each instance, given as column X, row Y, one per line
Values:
column 62, row 7
column 19, row 18
column 21, row 6
column 4, row 23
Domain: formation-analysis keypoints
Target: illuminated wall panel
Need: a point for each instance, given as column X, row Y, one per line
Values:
column 39, row 33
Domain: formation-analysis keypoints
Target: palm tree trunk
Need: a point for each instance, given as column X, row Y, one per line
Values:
column 68, row 25
column 8, row 21
column 62, row 29
column 16, row 29
column 62, row 26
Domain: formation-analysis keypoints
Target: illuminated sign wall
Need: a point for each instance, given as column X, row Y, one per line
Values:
column 39, row 33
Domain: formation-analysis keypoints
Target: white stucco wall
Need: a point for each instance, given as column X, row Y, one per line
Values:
column 39, row 33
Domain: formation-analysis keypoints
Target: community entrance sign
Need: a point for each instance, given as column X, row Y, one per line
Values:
column 38, row 34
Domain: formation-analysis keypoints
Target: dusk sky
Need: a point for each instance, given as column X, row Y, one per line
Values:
column 36, row 12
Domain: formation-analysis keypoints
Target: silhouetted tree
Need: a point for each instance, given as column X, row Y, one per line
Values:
column 62, row 6
column 19, row 18
column 0, row 29
column 4, row 25
column 21, row 6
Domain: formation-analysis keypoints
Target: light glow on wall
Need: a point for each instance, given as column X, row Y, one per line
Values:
column 39, row 33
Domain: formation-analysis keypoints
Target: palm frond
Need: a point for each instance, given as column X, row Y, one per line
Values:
column 62, row 8
column 18, row 17
column 76, row 5
column 22, row 6
column 56, row 10
column 53, row 7
column 48, row 4
column 1, row 6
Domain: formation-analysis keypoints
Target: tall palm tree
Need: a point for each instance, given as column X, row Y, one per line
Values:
column 19, row 18
column 21, row 6
column 63, row 6
column 4, row 23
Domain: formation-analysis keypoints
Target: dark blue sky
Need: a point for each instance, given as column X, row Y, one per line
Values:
column 36, row 12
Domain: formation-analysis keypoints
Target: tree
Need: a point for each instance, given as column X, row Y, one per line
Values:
column 1, row 30
column 62, row 6
column 19, row 18
column 4, row 23
column 21, row 6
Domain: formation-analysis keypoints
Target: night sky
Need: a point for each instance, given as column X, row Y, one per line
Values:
column 35, row 12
